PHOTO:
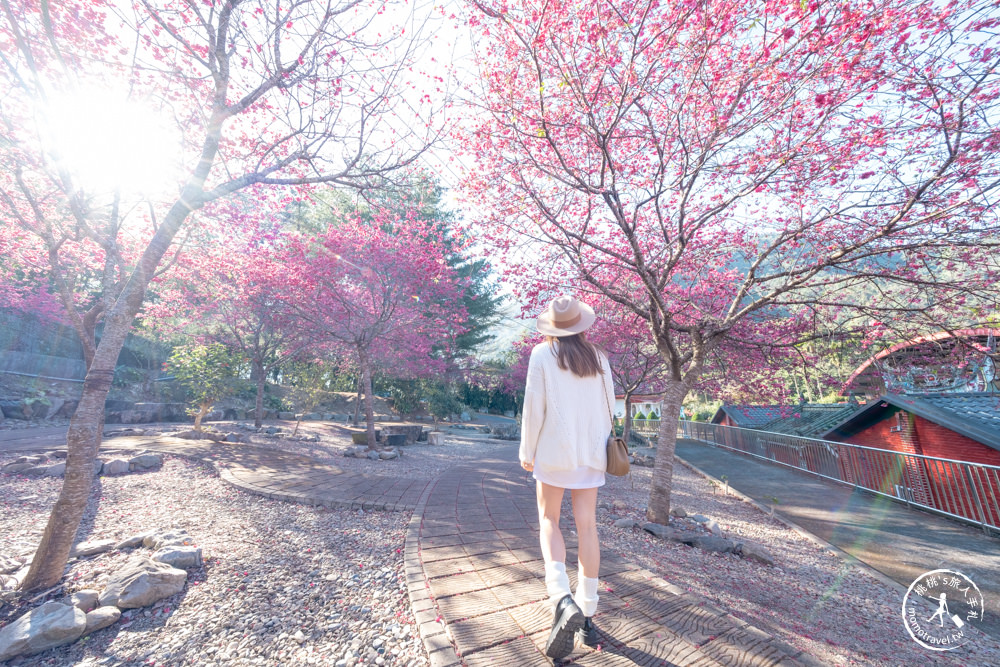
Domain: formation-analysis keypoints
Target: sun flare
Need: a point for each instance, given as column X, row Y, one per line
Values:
column 110, row 142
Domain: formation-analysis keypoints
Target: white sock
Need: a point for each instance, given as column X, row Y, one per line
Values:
column 556, row 581
column 586, row 594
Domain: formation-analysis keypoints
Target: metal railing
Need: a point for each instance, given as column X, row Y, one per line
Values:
column 961, row 490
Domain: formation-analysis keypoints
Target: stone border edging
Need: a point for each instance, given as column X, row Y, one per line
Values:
column 441, row 651
column 224, row 469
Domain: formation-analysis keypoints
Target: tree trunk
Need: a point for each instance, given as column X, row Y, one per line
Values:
column 357, row 402
column 366, row 380
column 258, row 409
column 663, row 473
column 627, row 419
column 87, row 424
column 202, row 411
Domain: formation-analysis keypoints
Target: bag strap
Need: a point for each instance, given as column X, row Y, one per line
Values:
column 611, row 413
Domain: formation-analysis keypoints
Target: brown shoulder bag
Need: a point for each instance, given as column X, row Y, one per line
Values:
column 617, row 450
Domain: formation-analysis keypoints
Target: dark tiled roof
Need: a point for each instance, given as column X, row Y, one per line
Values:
column 751, row 416
column 974, row 415
column 807, row 419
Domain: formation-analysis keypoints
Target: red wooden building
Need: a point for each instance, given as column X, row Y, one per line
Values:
column 959, row 427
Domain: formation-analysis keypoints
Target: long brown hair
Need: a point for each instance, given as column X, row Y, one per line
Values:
column 576, row 354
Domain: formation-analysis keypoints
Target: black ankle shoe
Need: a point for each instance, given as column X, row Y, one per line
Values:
column 588, row 633
column 568, row 619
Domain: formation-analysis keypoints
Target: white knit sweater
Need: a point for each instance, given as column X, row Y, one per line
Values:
column 566, row 419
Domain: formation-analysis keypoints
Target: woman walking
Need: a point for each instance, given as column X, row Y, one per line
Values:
column 564, row 430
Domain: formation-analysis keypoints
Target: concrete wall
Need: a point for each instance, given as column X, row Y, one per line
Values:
column 22, row 333
column 31, row 363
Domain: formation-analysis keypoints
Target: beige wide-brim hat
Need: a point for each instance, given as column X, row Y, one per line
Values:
column 565, row 316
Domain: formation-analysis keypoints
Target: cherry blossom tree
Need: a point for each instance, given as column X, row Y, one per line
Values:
column 380, row 291
column 247, row 315
column 720, row 168
column 258, row 94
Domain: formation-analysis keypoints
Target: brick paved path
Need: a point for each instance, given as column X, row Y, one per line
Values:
column 475, row 576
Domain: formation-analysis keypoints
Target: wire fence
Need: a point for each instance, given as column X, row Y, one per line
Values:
column 966, row 491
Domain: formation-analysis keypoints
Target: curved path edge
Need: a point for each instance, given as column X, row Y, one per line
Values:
column 287, row 476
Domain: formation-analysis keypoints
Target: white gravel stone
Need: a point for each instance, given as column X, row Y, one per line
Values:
column 271, row 568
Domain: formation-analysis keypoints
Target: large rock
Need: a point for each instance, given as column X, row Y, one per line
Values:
column 412, row 432
column 198, row 435
column 756, row 552
column 145, row 461
column 92, row 548
column 712, row 543
column 85, row 600
column 674, row 535
column 134, row 540
column 162, row 412
column 55, row 405
column 435, row 438
column 101, row 618
column 171, row 538
column 286, row 415
column 388, row 454
column 141, row 583
column 53, row 624
column 56, row 470
column 14, row 410
column 12, row 468
column 183, row 558
column 67, row 409
column 115, row 467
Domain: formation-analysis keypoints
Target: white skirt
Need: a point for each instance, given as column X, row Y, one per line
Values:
column 583, row 477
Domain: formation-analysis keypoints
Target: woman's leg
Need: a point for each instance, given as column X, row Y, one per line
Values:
column 589, row 552
column 553, row 546
column 585, row 516
column 549, row 504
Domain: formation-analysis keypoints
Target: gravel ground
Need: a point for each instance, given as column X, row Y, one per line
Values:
column 23, row 425
column 272, row 569
column 810, row 598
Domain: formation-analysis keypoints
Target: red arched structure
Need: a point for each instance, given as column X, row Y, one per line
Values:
column 958, row 361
